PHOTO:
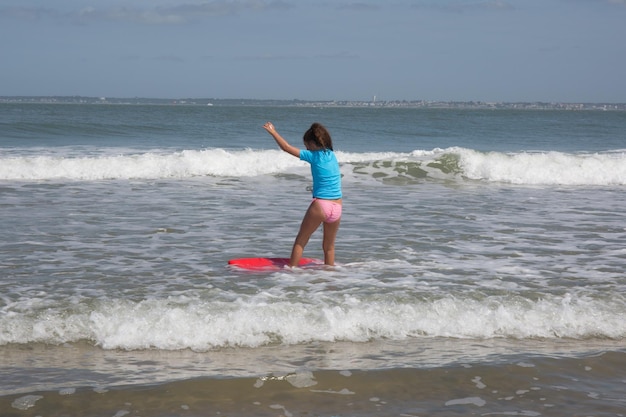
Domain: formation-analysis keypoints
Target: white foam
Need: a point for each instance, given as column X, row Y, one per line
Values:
column 547, row 168
column 550, row 168
column 477, row 401
column 271, row 317
column 26, row 402
column 151, row 165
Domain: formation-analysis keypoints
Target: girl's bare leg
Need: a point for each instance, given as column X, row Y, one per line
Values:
column 312, row 219
column 328, row 244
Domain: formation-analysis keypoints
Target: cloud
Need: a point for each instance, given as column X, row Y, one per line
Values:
column 130, row 58
column 225, row 7
column 169, row 58
column 27, row 13
column 358, row 6
column 344, row 55
column 339, row 55
column 123, row 14
column 270, row 57
column 459, row 6
column 596, row 3
column 177, row 14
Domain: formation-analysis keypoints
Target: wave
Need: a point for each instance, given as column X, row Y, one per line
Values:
column 200, row 324
column 458, row 164
column 521, row 168
column 150, row 165
column 608, row 168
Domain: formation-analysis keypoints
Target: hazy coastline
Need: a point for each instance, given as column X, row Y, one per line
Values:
column 374, row 103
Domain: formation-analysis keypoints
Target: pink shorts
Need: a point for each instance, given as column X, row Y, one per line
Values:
column 332, row 210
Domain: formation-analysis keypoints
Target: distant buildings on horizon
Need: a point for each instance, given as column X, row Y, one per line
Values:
column 374, row 103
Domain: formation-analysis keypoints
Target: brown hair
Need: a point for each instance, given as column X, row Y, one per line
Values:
column 318, row 134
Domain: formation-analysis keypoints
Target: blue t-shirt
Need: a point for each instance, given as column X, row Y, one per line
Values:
column 325, row 172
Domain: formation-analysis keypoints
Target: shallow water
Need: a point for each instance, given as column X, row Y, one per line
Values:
column 481, row 265
column 416, row 377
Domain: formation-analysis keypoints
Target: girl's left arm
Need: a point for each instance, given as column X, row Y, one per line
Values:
column 282, row 143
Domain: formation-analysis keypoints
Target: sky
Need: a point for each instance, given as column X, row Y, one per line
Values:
column 435, row 50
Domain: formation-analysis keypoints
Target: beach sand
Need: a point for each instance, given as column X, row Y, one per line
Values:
column 80, row 380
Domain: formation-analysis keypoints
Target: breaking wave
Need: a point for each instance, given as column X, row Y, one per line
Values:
column 459, row 164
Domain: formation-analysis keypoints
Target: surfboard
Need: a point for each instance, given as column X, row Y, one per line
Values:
column 272, row 264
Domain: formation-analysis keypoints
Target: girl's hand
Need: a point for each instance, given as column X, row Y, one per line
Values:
column 282, row 143
column 269, row 127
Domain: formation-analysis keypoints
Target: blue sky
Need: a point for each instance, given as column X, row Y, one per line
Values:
column 491, row 50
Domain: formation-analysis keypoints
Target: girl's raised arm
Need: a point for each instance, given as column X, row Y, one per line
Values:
column 282, row 143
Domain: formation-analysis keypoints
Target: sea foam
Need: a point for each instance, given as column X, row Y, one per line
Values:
column 530, row 168
column 183, row 164
column 202, row 324
column 545, row 168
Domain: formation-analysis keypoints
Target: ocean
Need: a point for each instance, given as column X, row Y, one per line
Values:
column 481, row 263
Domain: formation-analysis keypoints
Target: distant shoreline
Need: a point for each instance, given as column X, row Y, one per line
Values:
column 426, row 104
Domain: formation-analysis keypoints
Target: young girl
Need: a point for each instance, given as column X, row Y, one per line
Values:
column 326, row 205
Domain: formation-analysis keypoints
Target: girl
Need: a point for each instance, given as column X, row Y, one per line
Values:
column 326, row 205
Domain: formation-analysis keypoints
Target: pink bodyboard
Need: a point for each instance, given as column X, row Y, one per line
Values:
column 272, row 264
